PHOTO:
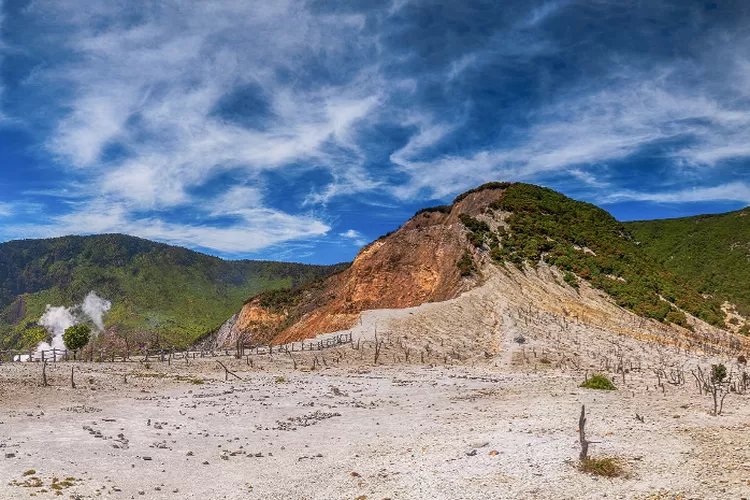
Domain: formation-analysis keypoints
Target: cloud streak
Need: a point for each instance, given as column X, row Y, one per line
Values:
column 239, row 126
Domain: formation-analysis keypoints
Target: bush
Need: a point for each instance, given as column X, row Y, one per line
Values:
column 607, row 467
column 599, row 382
column 718, row 373
column 571, row 279
column 466, row 265
column 443, row 209
column 77, row 336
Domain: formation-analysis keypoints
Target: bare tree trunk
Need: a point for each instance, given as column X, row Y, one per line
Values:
column 72, row 381
column 582, row 434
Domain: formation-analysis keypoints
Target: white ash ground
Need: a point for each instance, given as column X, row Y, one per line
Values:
column 388, row 432
column 456, row 408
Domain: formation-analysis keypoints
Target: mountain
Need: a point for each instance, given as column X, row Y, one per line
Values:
column 446, row 250
column 711, row 252
column 176, row 293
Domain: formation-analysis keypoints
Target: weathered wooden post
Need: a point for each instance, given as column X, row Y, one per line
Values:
column 582, row 434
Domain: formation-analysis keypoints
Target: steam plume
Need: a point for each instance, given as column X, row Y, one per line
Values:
column 58, row 319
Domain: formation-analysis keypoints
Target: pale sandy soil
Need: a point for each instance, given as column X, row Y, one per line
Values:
column 389, row 432
column 456, row 408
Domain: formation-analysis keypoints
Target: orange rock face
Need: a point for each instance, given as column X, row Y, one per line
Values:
column 414, row 265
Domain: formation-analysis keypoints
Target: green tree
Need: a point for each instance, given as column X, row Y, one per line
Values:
column 77, row 336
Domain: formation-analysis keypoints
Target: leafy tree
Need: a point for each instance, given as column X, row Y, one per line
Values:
column 77, row 336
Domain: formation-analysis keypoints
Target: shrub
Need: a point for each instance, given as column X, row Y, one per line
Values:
column 443, row 209
column 607, row 467
column 77, row 336
column 718, row 373
column 466, row 265
column 571, row 279
column 599, row 382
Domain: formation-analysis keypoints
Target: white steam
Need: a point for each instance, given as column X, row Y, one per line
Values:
column 95, row 307
column 58, row 319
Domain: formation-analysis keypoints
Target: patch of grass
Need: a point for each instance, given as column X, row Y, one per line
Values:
column 30, row 472
column 599, row 382
column 280, row 379
column 606, row 467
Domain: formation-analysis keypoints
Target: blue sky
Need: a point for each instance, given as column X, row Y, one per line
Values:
column 300, row 130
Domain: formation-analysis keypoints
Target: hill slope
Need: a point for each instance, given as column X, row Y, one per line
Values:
column 441, row 252
column 174, row 292
column 712, row 252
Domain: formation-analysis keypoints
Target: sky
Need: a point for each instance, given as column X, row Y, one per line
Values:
column 300, row 130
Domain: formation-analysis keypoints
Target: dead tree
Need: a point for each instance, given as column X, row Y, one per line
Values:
column 228, row 372
column 378, row 346
column 44, row 373
column 717, row 383
column 72, row 381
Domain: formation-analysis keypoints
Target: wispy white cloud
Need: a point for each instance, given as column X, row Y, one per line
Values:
column 152, row 90
column 732, row 191
column 355, row 236
column 582, row 131
column 252, row 230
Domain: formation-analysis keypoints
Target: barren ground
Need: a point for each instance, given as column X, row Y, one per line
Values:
column 389, row 432
column 457, row 407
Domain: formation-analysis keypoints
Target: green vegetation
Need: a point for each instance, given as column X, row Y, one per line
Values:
column 483, row 187
column 711, row 252
column 176, row 293
column 77, row 336
column 718, row 373
column 599, row 382
column 571, row 279
column 584, row 240
column 607, row 467
column 466, row 265
column 443, row 209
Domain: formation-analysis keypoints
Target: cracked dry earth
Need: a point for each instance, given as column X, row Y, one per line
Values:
column 369, row 433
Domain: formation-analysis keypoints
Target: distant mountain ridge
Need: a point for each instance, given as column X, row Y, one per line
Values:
column 178, row 293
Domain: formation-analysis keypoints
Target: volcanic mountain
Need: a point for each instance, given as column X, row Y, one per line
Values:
column 499, row 235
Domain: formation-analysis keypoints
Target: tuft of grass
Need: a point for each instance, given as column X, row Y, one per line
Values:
column 30, row 472
column 605, row 466
column 280, row 379
column 599, row 382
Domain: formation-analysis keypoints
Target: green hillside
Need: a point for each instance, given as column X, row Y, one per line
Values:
column 172, row 291
column 712, row 252
column 588, row 243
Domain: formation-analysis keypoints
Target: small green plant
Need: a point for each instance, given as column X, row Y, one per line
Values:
column 280, row 379
column 599, row 382
column 77, row 336
column 466, row 265
column 29, row 472
column 571, row 279
column 718, row 373
column 606, row 466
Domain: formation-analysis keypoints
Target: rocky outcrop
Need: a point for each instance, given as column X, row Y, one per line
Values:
column 416, row 264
